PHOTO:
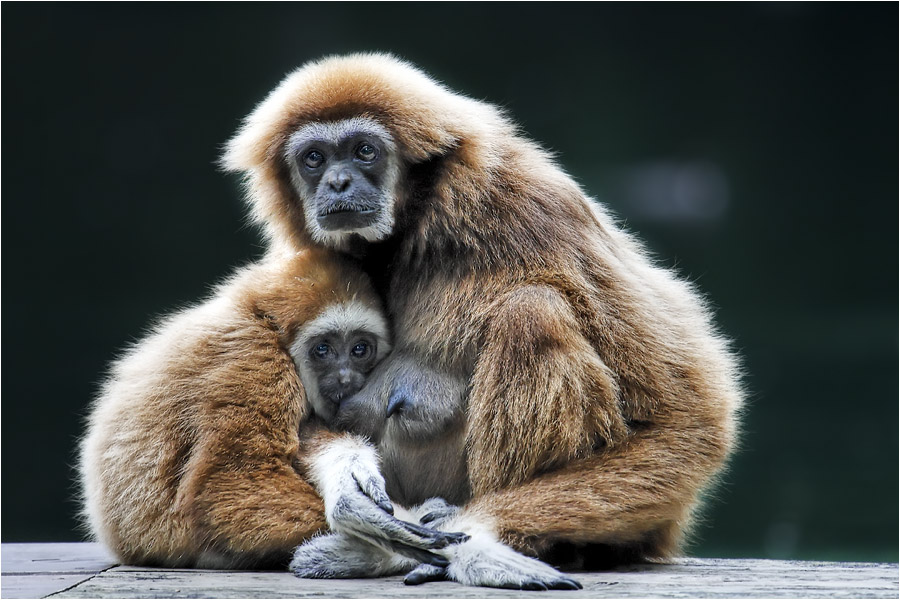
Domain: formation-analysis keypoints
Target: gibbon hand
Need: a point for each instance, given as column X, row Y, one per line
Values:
column 356, row 503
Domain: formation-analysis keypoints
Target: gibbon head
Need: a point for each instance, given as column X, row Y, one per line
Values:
column 335, row 352
column 327, row 154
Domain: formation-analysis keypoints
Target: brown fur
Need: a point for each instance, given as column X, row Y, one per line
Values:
column 193, row 455
column 601, row 399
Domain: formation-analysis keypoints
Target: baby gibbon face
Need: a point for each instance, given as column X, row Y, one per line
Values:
column 345, row 172
column 335, row 353
column 340, row 361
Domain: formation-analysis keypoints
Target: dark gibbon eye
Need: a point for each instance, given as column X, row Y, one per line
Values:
column 321, row 350
column 313, row 159
column 361, row 350
column 366, row 152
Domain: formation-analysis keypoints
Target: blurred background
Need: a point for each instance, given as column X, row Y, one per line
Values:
column 753, row 146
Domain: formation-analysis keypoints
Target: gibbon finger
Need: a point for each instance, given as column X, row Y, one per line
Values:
column 423, row 556
column 373, row 487
column 425, row 573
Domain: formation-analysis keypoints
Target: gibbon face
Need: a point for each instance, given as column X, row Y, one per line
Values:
column 335, row 353
column 345, row 174
column 340, row 362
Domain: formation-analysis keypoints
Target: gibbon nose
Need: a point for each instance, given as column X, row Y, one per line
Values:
column 345, row 376
column 340, row 181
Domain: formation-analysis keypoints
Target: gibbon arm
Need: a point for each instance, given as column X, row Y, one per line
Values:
column 552, row 455
column 244, row 490
column 637, row 494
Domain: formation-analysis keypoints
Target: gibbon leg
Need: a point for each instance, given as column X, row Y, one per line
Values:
column 551, row 456
column 540, row 397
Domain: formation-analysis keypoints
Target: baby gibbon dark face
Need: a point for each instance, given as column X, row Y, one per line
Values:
column 345, row 173
column 340, row 361
column 335, row 352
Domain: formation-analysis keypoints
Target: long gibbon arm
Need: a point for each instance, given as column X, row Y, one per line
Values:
column 249, row 505
column 243, row 492
column 608, row 497
column 575, row 461
column 225, row 506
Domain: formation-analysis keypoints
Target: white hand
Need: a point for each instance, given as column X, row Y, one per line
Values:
column 347, row 475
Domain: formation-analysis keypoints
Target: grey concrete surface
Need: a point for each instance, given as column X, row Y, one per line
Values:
column 87, row 571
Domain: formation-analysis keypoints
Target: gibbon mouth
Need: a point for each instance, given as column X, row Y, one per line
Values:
column 347, row 218
column 344, row 210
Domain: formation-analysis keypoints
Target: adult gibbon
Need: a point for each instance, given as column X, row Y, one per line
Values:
column 575, row 397
column 206, row 446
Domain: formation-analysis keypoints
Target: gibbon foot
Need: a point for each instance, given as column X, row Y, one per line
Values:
column 340, row 556
column 435, row 511
column 489, row 563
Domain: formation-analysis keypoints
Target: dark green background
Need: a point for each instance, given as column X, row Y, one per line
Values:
column 754, row 147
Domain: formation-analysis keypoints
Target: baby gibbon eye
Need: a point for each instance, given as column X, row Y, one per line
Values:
column 366, row 152
column 361, row 350
column 321, row 350
column 313, row 159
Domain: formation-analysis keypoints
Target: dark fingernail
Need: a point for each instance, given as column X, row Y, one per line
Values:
column 428, row 518
column 534, row 584
column 386, row 506
column 567, row 584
